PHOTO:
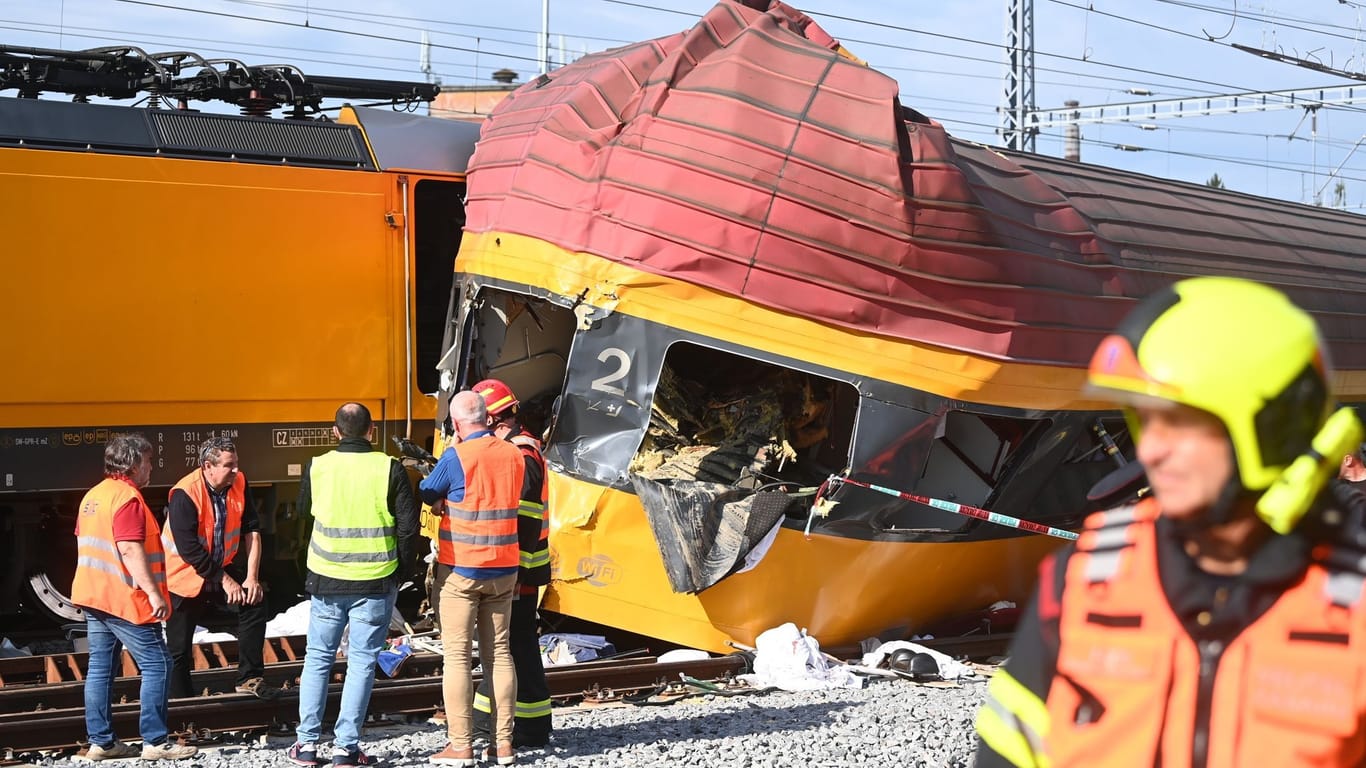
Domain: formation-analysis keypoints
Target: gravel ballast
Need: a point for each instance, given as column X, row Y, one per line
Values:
column 891, row 722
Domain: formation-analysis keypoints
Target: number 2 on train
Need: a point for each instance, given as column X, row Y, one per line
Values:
column 604, row 383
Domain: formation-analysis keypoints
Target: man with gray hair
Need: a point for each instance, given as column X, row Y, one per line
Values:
column 213, row 559
column 479, row 481
column 121, row 584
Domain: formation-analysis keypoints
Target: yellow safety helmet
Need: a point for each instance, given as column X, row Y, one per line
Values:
column 1243, row 352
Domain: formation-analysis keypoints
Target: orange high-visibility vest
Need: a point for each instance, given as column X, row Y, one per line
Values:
column 480, row 530
column 181, row 577
column 102, row 582
column 1287, row 691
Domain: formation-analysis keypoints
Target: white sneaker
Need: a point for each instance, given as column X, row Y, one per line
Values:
column 114, row 751
column 168, row 751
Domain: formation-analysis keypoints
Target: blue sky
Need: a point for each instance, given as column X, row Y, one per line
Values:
column 948, row 57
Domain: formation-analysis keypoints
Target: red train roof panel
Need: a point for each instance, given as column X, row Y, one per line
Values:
column 747, row 155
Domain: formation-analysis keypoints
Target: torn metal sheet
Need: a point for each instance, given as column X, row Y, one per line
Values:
column 704, row 530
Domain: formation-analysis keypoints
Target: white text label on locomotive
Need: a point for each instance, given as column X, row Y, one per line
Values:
column 302, row 437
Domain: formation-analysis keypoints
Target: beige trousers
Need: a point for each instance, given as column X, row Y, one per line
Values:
column 487, row 603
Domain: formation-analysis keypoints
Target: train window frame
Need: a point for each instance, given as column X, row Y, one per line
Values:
column 466, row 361
column 840, row 441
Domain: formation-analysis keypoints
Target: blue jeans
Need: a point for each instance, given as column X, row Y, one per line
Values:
column 146, row 644
column 368, row 617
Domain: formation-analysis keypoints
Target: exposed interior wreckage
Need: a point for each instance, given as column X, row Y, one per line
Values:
column 722, row 266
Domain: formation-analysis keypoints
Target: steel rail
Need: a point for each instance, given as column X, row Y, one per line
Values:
column 52, row 719
column 59, row 729
column 67, row 667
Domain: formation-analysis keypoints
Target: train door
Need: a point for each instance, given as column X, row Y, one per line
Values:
column 438, row 218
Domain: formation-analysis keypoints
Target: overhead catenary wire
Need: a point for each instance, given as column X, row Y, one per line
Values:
column 1147, row 78
column 846, row 40
column 691, row 13
column 301, row 25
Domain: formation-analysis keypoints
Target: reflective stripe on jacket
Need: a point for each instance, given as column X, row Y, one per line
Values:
column 354, row 536
column 1288, row 690
column 181, row 577
column 526, row 710
column 480, row 530
column 533, row 523
column 102, row 581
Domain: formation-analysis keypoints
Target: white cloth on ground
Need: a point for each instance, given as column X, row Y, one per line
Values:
column 948, row 668
column 790, row 659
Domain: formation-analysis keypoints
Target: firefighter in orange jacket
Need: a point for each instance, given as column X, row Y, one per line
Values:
column 532, row 723
column 213, row 558
column 1219, row 621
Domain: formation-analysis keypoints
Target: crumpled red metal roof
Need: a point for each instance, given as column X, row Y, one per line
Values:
column 747, row 155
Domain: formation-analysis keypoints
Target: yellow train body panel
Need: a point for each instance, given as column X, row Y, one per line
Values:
column 843, row 579
column 715, row 314
column 839, row 589
column 606, row 560
column 147, row 311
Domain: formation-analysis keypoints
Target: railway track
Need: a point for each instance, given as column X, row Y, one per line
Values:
column 43, row 727
column 40, row 716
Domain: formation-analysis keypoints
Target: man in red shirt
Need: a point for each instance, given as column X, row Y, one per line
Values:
column 121, row 584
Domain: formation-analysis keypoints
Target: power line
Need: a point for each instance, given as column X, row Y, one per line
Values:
column 298, row 25
column 967, row 127
column 387, row 18
column 1246, row 13
column 144, row 40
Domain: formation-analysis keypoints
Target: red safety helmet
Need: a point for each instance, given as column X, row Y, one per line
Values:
column 497, row 396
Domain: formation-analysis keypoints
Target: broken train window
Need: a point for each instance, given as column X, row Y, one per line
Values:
column 733, row 446
column 1035, row 467
column 721, row 418
column 524, row 342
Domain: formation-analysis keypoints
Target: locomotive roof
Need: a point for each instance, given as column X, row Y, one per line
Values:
column 404, row 140
column 398, row 138
column 749, row 156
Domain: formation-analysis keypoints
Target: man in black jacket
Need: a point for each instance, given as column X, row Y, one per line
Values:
column 213, row 559
column 364, row 526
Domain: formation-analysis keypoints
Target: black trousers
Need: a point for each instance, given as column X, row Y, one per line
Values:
column 186, row 613
column 532, row 725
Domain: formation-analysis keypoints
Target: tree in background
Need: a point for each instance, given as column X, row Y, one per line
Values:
column 1215, row 182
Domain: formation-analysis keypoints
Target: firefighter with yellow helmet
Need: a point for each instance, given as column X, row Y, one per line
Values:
column 1219, row 621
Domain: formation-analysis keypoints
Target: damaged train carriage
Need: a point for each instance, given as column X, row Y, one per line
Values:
column 722, row 266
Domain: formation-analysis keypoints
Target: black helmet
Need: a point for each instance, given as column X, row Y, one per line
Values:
column 900, row 660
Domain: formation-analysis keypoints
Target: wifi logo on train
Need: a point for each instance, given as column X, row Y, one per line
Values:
column 599, row 570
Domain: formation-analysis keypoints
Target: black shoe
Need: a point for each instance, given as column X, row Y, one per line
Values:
column 351, row 757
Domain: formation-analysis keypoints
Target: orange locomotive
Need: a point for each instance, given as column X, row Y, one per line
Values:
column 185, row 274
column 729, row 264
